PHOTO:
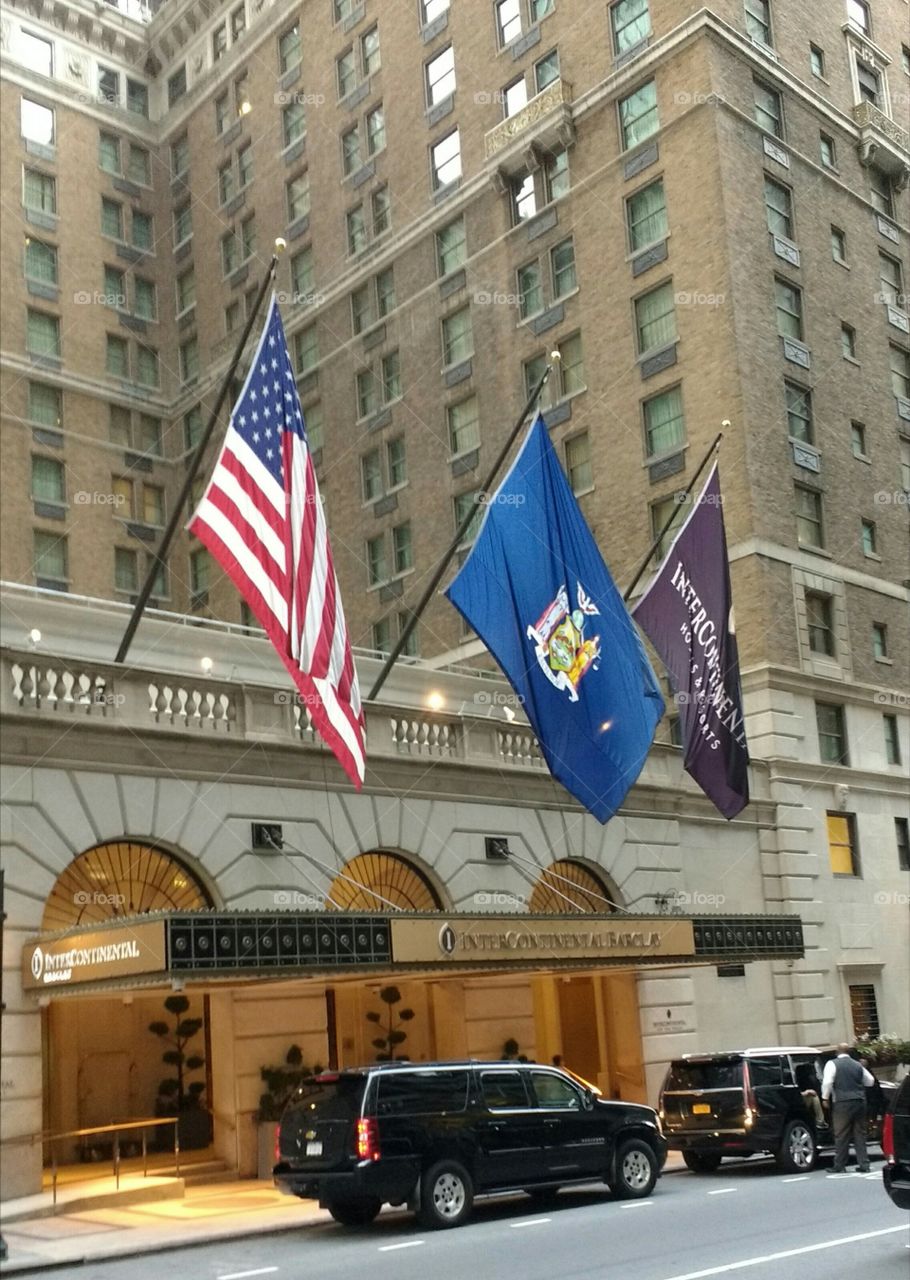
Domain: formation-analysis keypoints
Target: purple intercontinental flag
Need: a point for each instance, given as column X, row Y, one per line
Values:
column 687, row 614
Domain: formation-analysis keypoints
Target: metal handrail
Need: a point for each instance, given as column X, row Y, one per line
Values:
column 116, row 1129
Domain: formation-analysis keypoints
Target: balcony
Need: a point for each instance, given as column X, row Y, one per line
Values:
column 546, row 121
column 882, row 142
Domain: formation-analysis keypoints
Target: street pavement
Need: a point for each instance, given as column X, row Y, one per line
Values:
column 745, row 1219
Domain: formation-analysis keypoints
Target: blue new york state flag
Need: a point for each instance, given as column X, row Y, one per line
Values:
column 537, row 592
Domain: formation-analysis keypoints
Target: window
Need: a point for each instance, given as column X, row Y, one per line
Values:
column 870, row 84
column 440, row 76
column 176, row 85
column 768, row 111
column 115, row 288
column 314, row 425
column 758, row 20
column 229, row 256
column 799, row 412
column 562, row 268
column 192, row 427
column 666, row 510
column 508, row 20
column 381, row 210
column 546, row 70
column 789, row 304
column 51, row 560
column 396, row 457
column 445, row 159
column 36, row 122
column 832, row 734
column 361, row 309
column 200, row 571
column 902, row 839
column 778, row 208
column 646, row 215
column 530, row 290
column 146, row 366
column 665, row 427
column 48, row 480
column 356, row 229
column 571, row 370
column 514, row 97
column 377, row 567
column 827, row 151
column 306, row 350
column 401, row 548
column 578, row 463
column 39, row 191
column 382, row 643
column 817, row 61
column 180, row 155
column 367, row 393
column 904, row 446
column 809, row 527
column 40, row 261
column 120, row 425
column 226, row 183
column 126, row 570
column 350, row 151
column 189, row 359
column 900, row 372
column 540, row 9
column 145, row 303
column 820, row 624
column 905, row 59
column 524, row 198
column 464, row 426
column 42, row 334
column 556, row 174
column 44, row 404
column 630, row 22
column 245, row 165
column 891, row 275
column 289, row 49
column 238, row 22
column 375, row 130
column 838, row 245
column 533, row 372
column 371, row 475
column 385, row 291
column 858, row 439
column 109, row 152
column 848, row 342
column 298, row 197
column 117, row 359
column 248, row 237
column 35, row 53
column 391, row 377
column 462, row 504
column 892, row 740
column 451, row 247
column 183, row 224
column 346, row 73
column 302, row 280
column 858, row 14
column 457, row 337
column 108, row 85
column 152, row 505
column 142, row 235
column 638, row 116
column 864, row 1012
column 150, row 434
column 869, row 537
column 219, row 42
column 655, row 319
column 293, row 123
column 369, row 51
column 222, row 113
column 139, row 166
column 111, row 218
column 430, row 10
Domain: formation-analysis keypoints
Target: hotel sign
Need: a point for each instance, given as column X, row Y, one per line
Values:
column 125, row 952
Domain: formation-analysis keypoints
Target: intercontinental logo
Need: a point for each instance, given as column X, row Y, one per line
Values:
column 476, row 939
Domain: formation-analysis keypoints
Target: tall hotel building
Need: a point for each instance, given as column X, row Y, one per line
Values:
column 703, row 209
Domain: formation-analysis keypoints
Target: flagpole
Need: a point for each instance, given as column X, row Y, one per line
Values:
column 657, row 541
column 160, row 553
column 459, row 536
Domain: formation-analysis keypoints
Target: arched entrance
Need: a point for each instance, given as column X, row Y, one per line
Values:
column 567, row 885
column 104, row 1064
column 378, row 880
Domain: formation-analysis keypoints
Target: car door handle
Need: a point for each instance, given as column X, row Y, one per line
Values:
column 551, row 1124
column 495, row 1126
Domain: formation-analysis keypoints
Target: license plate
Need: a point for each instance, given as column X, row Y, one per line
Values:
column 314, row 1148
column 701, row 1109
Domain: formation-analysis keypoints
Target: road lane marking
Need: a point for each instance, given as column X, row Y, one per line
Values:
column 240, row 1275
column 723, row 1191
column 803, row 1177
column 530, row 1222
column 787, row 1253
column 406, row 1244
column 636, row 1204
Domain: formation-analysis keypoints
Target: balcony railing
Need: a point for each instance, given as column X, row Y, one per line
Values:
column 550, row 111
column 883, row 143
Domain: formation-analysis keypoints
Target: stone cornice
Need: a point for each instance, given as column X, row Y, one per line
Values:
column 804, row 560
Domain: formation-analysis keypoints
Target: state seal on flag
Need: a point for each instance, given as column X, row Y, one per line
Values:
column 563, row 650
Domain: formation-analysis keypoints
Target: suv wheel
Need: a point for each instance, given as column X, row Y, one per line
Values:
column 446, row 1195
column 635, row 1170
column 798, row 1151
column 701, row 1161
column 354, row 1213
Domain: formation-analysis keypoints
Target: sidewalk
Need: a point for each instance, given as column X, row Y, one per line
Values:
column 204, row 1214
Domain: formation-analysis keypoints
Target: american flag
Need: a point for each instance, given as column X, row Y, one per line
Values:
column 262, row 519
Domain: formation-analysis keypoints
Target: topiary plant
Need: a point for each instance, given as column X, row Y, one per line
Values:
column 281, row 1083
column 394, row 1036
column 175, row 1094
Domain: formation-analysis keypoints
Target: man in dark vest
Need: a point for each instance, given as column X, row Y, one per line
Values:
column 847, row 1080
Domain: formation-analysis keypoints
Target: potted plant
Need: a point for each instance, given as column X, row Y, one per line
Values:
column 281, row 1083
column 888, row 1056
column 393, row 1036
column 178, row 1096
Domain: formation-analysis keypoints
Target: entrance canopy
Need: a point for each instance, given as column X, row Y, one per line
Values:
column 211, row 946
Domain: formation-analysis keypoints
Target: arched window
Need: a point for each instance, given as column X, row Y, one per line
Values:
column 567, row 879
column 121, row 878
column 391, row 878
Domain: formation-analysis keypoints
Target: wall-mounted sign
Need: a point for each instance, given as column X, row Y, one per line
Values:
column 92, row 956
column 553, row 940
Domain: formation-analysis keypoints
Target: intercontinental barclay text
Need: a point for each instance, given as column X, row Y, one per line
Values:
column 519, row 940
column 60, row 966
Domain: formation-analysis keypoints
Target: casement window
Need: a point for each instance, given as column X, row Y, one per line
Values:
column 445, row 160
column 370, row 57
column 869, row 537
column 810, row 530
column 646, row 216
column 293, row 123
column 289, row 52
column 530, row 290
column 508, row 21
column 630, row 23
column 346, row 73
column 578, row 462
column 900, row 371
column 838, row 245
column 820, row 623
column 457, row 337
column 377, row 563
column 638, row 115
column 778, row 208
column 842, row 850
column 180, row 156
column 665, row 427
column 306, row 350
column 117, row 356
column 827, row 151
column 768, row 109
column 462, row 503
column 655, row 319
column 50, row 560
column 36, row 122
column 464, row 426
column 45, row 404
column 42, row 334
column 758, row 21
column 40, row 261
column 183, row 223
column 892, row 739
column 297, row 193
column 39, row 191
column 402, row 549
column 789, row 307
column 147, row 366
column 381, row 210
column 48, row 480
column 832, row 733
column 799, row 412
column 139, row 166
column 356, row 229
column 189, row 359
column 302, row 275
column 440, row 76
column 451, row 247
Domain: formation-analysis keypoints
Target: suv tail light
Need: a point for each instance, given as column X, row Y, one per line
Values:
column 751, row 1107
column 888, row 1138
column 367, row 1139
column 278, row 1144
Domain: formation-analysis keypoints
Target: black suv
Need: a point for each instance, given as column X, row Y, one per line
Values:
column 434, row 1135
column 751, row 1101
column 896, row 1146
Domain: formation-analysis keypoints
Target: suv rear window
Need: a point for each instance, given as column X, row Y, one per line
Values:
column 332, row 1097
column 727, row 1073
column 420, row 1093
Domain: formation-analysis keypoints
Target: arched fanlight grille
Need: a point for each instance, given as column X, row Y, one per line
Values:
column 566, row 879
column 392, row 878
column 122, row 878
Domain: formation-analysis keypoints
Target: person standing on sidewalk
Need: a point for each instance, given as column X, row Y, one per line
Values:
column 847, row 1080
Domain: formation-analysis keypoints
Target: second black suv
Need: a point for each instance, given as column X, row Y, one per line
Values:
column 896, row 1146
column 434, row 1135
column 752, row 1101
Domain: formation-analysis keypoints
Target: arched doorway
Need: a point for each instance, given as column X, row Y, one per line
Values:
column 567, row 885
column 374, row 881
